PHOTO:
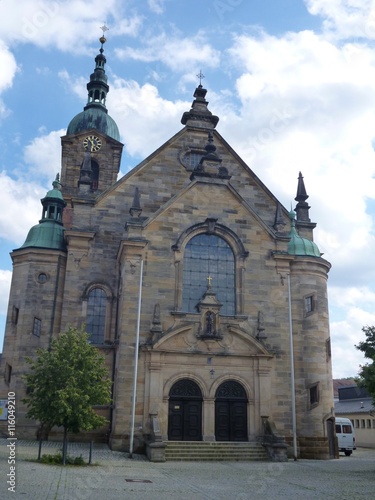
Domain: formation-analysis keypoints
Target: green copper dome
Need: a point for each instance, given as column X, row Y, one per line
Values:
column 46, row 235
column 97, row 118
column 95, row 114
column 298, row 245
column 49, row 233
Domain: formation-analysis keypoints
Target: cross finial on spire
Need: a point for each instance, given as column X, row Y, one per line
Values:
column 103, row 39
column 200, row 75
column 209, row 279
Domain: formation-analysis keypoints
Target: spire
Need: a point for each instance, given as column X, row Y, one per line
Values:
column 136, row 210
column 95, row 114
column 97, row 86
column 279, row 219
column 302, row 207
column 199, row 115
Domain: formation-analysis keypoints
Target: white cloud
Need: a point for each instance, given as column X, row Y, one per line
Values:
column 43, row 155
column 156, row 6
column 144, row 117
column 345, row 18
column 65, row 24
column 178, row 53
column 312, row 109
column 8, row 71
column 20, row 202
column 5, row 279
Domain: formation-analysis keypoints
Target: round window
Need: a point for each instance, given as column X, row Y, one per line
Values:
column 42, row 277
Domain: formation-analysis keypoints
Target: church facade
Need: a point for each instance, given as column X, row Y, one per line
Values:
column 188, row 273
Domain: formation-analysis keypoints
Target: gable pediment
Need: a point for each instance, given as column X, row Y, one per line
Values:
column 233, row 342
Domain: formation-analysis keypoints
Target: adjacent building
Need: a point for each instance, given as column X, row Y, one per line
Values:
column 356, row 404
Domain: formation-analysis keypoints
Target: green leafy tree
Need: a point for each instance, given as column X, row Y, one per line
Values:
column 65, row 382
column 366, row 376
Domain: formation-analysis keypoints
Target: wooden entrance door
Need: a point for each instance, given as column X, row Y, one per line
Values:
column 231, row 412
column 185, row 412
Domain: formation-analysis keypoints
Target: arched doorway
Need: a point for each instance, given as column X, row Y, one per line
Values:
column 185, row 411
column 231, row 412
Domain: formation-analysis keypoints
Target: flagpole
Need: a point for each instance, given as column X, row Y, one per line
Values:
column 136, row 350
column 294, row 424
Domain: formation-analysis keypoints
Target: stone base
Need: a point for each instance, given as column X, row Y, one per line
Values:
column 277, row 452
column 155, row 452
column 313, row 448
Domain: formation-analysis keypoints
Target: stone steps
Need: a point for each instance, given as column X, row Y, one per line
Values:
column 213, row 451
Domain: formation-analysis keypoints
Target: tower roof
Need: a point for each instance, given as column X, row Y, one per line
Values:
column 95, row 114
column 49, row 233
column 298, row 245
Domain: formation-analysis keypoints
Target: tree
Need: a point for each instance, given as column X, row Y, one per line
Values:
column 65, row 382
column 367, row 372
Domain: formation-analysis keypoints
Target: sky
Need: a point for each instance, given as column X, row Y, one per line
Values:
column 293, row 82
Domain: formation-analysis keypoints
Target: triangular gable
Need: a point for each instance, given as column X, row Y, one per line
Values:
column 218, row 182
column 234, row 342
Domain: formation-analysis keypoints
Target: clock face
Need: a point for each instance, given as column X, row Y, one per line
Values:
column 92, row 142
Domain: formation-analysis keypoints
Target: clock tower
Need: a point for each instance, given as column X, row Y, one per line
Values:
column 91, row 148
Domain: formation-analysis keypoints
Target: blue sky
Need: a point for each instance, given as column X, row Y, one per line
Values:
column 292, row 81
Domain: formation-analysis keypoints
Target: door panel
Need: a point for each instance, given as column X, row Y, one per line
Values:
column 185, row 420
column 175, row 421
column 222, row 421
column 230, row 420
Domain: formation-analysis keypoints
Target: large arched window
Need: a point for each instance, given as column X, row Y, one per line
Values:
column 96, row 315
column 208, row 255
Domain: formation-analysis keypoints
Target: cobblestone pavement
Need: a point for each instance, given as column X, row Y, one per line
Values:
column 115, row 476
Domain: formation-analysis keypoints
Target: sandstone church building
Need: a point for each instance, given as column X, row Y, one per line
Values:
column 233, row 313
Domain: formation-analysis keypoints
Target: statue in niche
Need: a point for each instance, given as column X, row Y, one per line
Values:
column 210, row 323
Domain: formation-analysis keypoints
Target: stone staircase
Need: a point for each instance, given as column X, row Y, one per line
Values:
column 213, row 451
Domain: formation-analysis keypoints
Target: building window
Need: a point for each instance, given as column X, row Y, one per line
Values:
column 42, row 278
column 15, row 313
column 314, row 395
column 7, row 373
column 94, row 175
column 96, row 315
column 37, row 327
column 208, row 259
column 368, row 423
column 309, row 304
column 357, row 423
column 362, row 423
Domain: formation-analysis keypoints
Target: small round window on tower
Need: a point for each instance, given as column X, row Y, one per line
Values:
column 42, row 278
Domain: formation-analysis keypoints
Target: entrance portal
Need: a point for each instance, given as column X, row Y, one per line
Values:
column 231, row 412
column 185, row 412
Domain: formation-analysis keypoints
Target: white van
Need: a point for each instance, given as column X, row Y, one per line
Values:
column 345, row 435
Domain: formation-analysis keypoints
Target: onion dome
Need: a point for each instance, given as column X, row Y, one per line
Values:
column 49, row 233
column 298, row 245
column 95, row 114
